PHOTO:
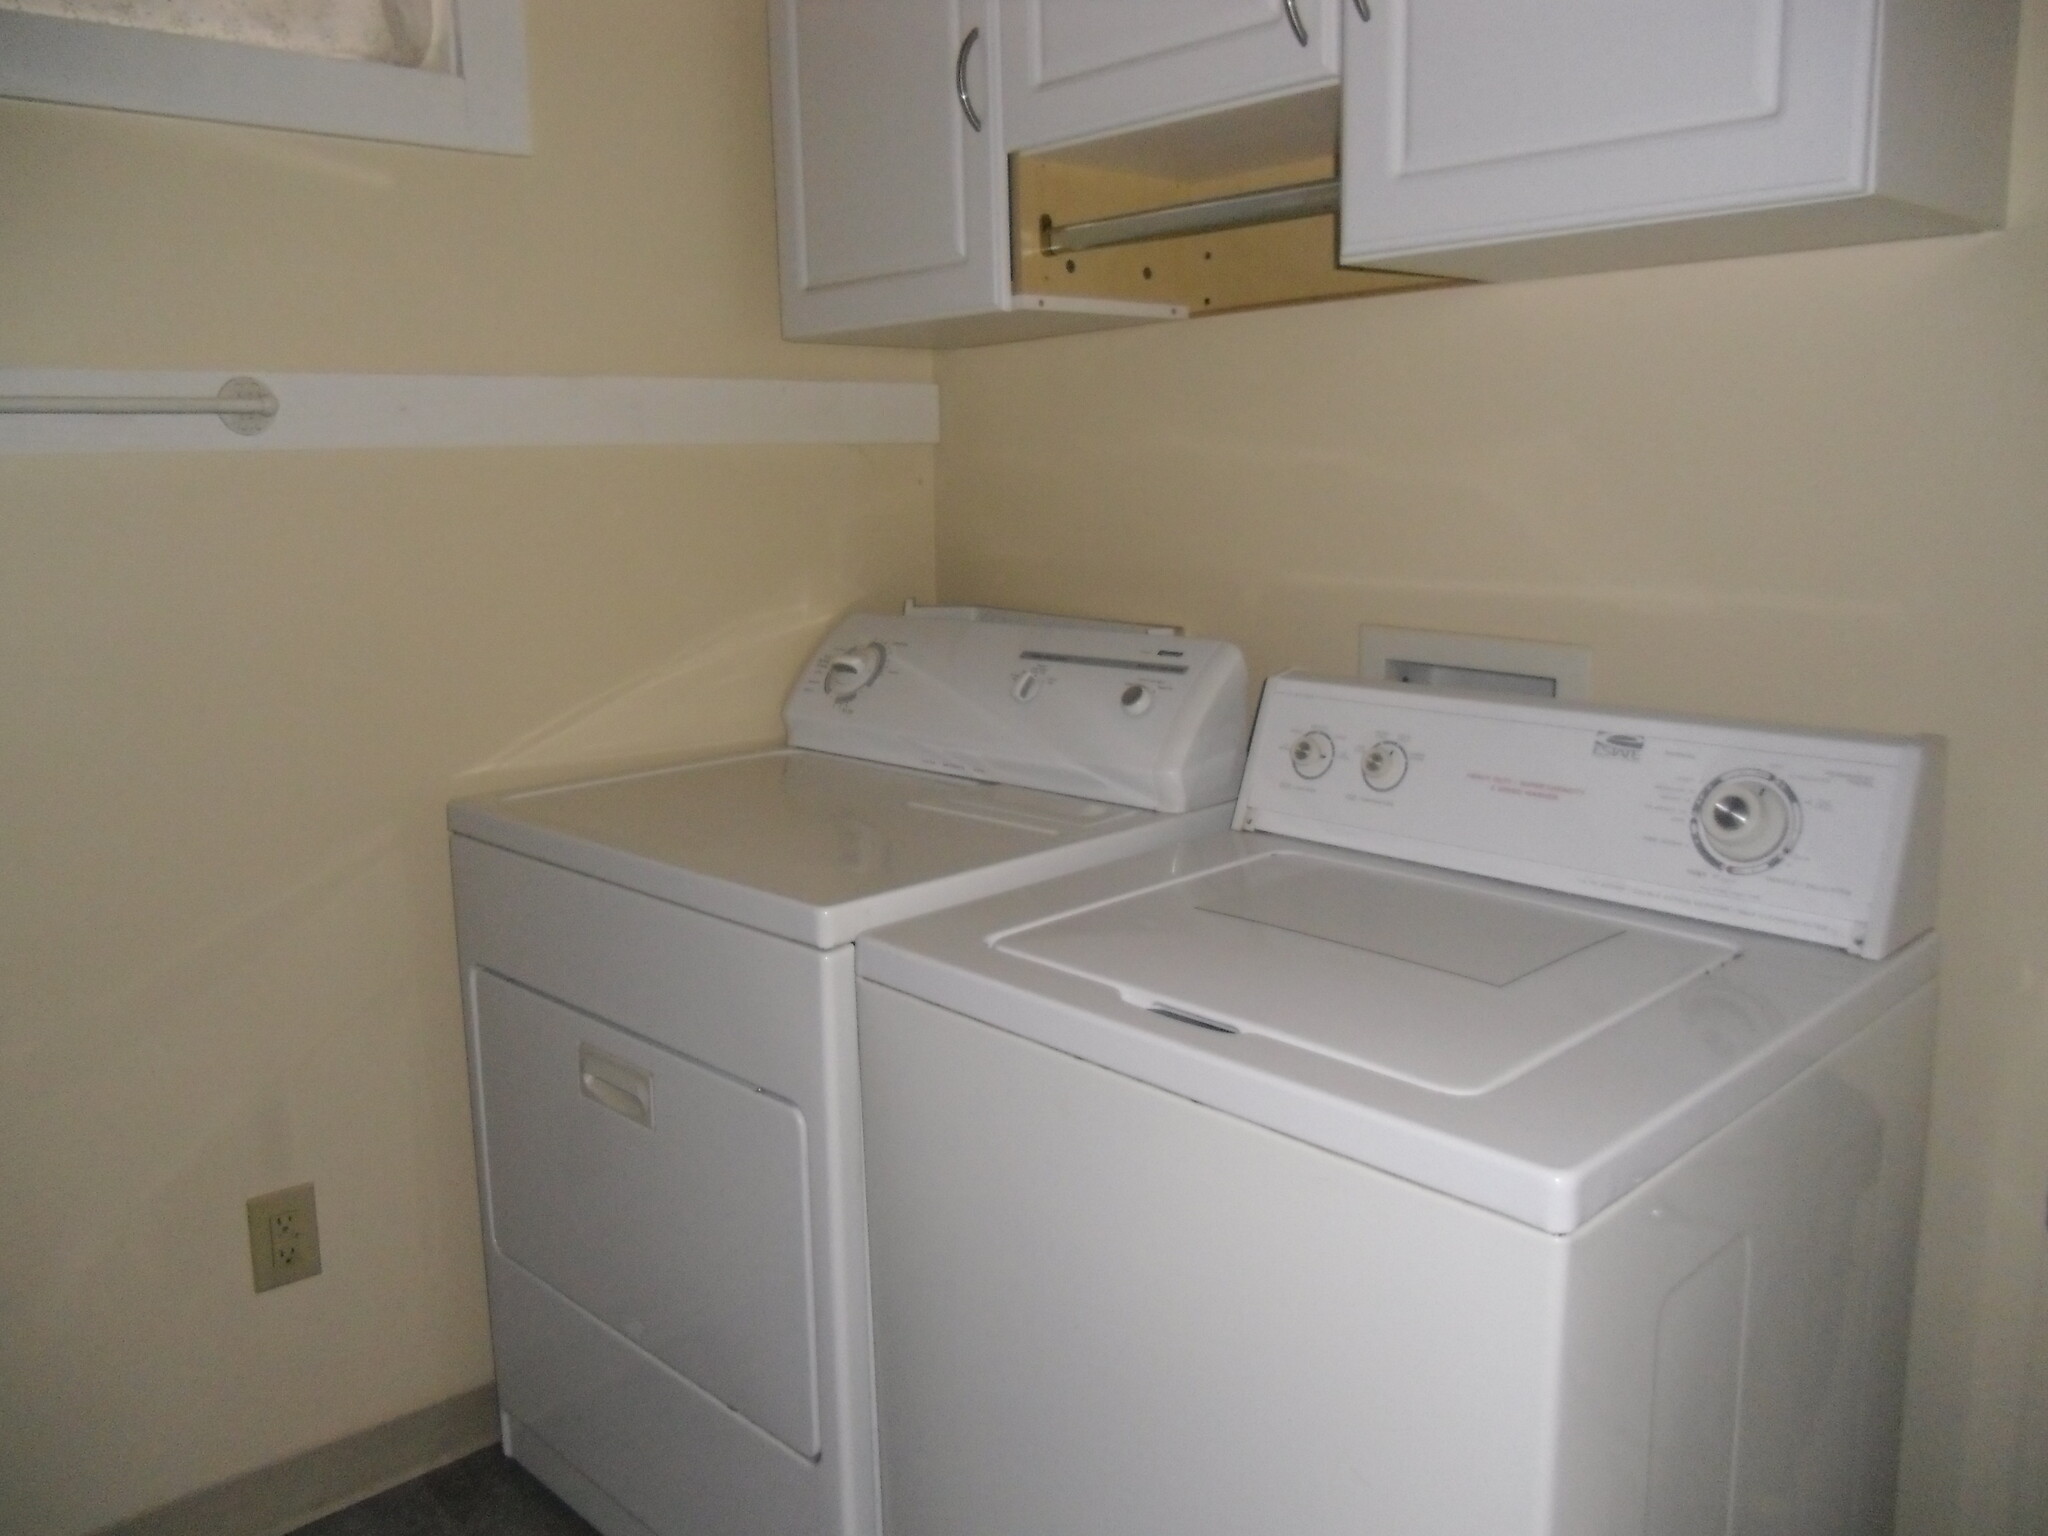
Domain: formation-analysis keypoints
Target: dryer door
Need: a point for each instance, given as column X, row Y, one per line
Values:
column 664, row 1198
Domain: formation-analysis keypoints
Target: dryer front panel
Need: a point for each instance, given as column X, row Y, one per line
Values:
column 668, row 1139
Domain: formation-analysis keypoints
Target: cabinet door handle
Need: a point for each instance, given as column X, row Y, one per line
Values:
column 960, row 76
column 1294, row 20
column 1364, row 10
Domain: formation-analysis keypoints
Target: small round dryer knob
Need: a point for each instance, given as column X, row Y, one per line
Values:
column 1312, row 754
column 1384, row 765
column 1137, row 699
column 850, row 671
column 1025, row 685
column 1745, row 821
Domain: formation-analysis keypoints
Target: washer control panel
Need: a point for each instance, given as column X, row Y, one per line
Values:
column 1119, row 713
column 1814, row 835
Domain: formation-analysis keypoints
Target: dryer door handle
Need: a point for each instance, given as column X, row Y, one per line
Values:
column 620, row 1088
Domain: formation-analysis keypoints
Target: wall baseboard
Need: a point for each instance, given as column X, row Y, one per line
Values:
column 290, row 1493
column 389, row 410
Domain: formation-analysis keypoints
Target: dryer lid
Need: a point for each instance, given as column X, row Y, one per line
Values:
column 1423, row 979
column 810, row 846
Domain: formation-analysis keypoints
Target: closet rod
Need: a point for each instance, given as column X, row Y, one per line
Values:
column 243, row 405
column 1269, row 205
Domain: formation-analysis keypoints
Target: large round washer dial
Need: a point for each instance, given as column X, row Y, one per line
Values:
column 1312, row 754
column 1746, row 821
column 850, row 671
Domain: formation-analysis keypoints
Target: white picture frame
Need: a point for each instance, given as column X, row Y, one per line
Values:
column 481, row 106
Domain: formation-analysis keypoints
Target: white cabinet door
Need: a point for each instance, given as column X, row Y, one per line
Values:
column 1077, row 69
column 892, row 204
column 1469, row 124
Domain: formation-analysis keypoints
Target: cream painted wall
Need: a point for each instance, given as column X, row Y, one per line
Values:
column 638, row 238
column 1809, row 488
column 236, row 691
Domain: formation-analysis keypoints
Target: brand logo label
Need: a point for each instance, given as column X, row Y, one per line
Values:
column 1615, row 744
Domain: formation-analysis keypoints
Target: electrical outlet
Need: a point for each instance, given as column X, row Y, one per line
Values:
column 284, row 1237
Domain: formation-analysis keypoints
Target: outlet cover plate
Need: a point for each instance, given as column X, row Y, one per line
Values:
column 1387, row 655
column 284, row 1237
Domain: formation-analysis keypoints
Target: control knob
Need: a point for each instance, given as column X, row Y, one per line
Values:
column 1384, row 765
column 1137, row 699
column 1745, row 821
column 1312, row 754
column 850, row 671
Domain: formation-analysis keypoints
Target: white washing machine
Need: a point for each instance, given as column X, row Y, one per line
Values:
column 1514, row 1129
column 658, row 978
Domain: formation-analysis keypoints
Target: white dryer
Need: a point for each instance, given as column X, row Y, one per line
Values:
column 1513, row 1129
column 658, row 980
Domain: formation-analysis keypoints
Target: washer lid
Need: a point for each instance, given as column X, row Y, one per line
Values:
column 1533, row 1053
column 1427, row 981
column 808, row 845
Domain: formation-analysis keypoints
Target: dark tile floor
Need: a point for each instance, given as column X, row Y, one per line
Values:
column 483, row 1494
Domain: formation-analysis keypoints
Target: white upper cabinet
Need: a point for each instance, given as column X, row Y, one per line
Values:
column 1511, row 138
column 891, row 182
column 893, row 205
column 955, row 172
column 1079, row 69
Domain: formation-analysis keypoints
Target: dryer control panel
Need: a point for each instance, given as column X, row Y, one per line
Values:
column 1813, row 835
column 1121, row 713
